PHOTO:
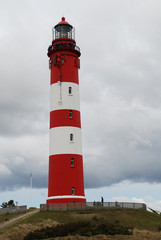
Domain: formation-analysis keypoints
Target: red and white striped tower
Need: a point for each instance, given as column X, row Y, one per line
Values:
column 66, row 181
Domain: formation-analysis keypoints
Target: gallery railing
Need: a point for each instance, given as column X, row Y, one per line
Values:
column 90, row 205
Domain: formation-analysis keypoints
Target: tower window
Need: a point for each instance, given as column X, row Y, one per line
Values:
column 70, row 113
column 73, row 191
column 72, row 161
column 70, row 90
column 71, row 137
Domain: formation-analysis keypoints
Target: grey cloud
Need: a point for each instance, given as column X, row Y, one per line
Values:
column 21, row 156
column 119, row 86
column 124, row 143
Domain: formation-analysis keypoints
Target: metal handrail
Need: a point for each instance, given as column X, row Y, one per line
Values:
column 63, row 46
column 90, row 205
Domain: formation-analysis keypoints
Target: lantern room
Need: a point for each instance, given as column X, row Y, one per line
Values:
column 63, row 30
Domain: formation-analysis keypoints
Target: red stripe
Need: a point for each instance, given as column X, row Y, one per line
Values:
column 63, row 176
column 61, row 118
column 67, row 72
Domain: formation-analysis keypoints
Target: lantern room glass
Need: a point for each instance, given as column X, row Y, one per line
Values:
column 63, row 31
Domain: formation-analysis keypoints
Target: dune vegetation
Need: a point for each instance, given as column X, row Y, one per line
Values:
column 141, row 224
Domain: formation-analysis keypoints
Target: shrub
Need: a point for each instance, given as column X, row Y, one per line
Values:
column 95, row 219
column 83, row 228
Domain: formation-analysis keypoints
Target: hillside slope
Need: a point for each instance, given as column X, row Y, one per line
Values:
column 146, row 224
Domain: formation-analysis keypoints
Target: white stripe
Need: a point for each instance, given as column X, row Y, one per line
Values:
column 65, row 196
column 60, row 143
column 60, row 97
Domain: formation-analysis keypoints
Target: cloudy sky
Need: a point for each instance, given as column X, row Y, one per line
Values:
column 120, row 96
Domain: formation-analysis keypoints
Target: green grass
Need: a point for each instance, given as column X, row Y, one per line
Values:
column 40, row 217
column 31, row 209
column 61, row 217
column 9, row 216
column 139, row 219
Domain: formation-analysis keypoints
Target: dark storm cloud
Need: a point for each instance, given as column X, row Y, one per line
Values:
column 119, row 84
column 23, row 155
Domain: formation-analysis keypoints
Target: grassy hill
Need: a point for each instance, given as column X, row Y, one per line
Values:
column 146, row 225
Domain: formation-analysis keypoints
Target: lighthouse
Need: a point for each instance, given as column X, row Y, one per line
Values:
column 65, row 181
